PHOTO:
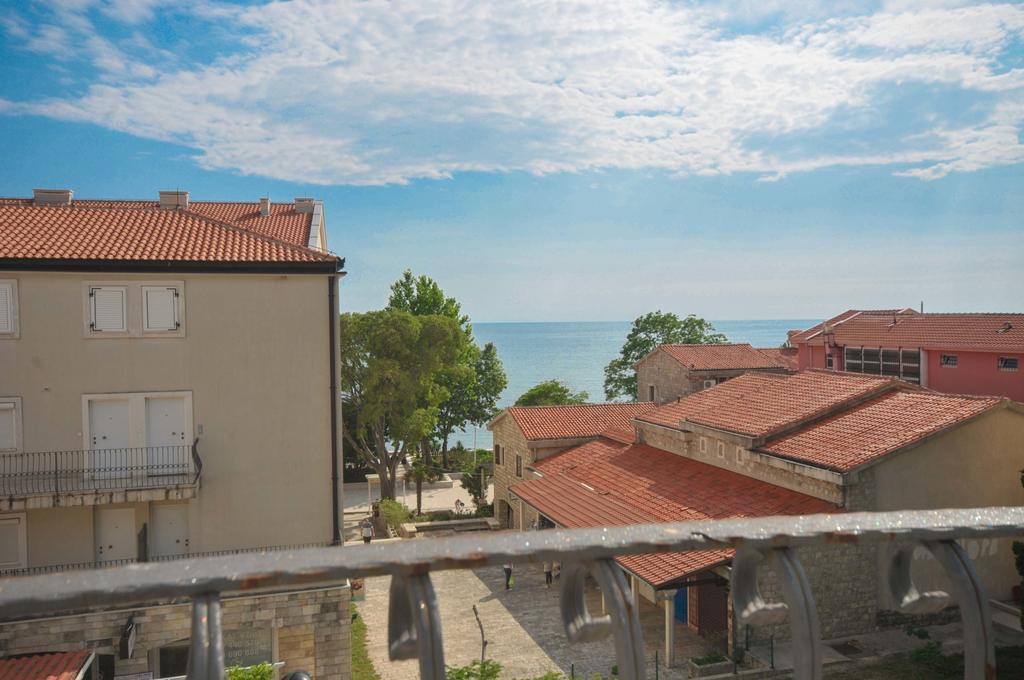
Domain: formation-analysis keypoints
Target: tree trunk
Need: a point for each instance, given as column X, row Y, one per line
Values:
column 419, row 494
column 445, row 463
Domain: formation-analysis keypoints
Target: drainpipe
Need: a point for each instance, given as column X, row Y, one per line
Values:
column 333, row 333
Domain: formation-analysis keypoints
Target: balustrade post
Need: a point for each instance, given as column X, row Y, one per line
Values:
column 206, row 654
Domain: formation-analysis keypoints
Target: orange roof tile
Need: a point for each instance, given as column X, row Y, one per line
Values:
column 798, row 336
column 784, row 356
column 978, row 332
column 40, row 233
column 56, row 666
column 877, row 427
column 576, row 420
column 722, row 357
column 631, row 484
column 758, row 404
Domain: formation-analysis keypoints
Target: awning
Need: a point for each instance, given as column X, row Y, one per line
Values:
column 55, row 666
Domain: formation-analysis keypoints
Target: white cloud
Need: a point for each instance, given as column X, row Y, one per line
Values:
column 382, row 92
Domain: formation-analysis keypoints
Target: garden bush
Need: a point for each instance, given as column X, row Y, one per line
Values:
column 394, row 513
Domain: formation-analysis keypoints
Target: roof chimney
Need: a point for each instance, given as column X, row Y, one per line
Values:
column 265, row 207
column 304, row 205
column 52, row 196
column 174, row 200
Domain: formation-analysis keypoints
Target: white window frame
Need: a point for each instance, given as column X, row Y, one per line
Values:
column 721, row 449
column 740, row 454
column 179, row 295
column 135, row 313
column 15, row 331
column 22, row 540
column 91, row 317
column 19, row 441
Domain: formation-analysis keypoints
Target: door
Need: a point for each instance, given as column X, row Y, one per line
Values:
column 110, row 438
column 166, row 436
column 115, row 534
column 682, row 604
column 170, row 529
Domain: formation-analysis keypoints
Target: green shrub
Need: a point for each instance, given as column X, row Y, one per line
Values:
column 709, row 658
column 486, row 670
column 395, row 513
column 262, row 671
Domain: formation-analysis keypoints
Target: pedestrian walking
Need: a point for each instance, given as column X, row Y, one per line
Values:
column 366, row 529
column 547, row 574
column 557, row 568
column 508, row 575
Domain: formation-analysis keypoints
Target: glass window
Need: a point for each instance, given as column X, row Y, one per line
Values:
column 1008, row 363
column 948, row 361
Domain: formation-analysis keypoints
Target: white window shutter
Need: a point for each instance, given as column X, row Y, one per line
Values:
column 12, row 542
column 108, row 309
column 6, row 308
column 8, row 427
column 160, row 308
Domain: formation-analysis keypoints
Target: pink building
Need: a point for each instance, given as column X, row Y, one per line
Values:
column 955, row 353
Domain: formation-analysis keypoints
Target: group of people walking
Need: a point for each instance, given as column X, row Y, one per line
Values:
column 552, row 570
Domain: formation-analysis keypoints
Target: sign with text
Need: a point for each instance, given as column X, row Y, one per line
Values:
column 248, row 646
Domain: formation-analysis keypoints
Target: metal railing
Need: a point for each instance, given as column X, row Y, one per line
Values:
column 414, row 622
column 54, row 472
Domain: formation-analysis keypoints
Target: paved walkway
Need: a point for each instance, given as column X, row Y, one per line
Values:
column 523, row 627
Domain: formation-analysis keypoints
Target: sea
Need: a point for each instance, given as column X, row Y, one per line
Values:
column 577, row 352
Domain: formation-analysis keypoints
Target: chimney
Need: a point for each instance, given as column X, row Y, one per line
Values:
column 174, row 200
column 52, row 196
column 304, row 205
column 265, row 207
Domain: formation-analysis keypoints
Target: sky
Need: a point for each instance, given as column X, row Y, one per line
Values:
column 560, row 160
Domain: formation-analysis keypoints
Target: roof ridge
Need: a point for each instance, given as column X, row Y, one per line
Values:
column 605, row 403
column 263, row 237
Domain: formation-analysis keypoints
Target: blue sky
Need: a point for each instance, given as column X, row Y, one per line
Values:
column 561, row 160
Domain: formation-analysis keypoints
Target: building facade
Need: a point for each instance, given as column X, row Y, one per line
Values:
column 168, row 388
column 673, row 371
column 954, row 353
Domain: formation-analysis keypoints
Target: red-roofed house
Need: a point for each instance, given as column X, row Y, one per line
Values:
column 167, row 373
column 55, row 666
column 763, row 444
column 956, row 353
column 672, row 371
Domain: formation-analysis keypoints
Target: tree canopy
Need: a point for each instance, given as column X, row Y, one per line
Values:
column 648, row 332
column 551, row 393
column 389, row 362
column 473, row 383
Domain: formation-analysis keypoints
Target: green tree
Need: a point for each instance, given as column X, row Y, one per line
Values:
column 389, row 364
column 648, row 332
column 419, row 472
column 551, row 393
column 473, row 383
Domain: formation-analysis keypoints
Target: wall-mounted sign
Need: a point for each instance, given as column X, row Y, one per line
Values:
column 248, row 646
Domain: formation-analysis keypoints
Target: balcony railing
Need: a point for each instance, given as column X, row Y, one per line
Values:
column 56, row 472
column 414, row 625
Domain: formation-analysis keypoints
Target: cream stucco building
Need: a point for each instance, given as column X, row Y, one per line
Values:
column 168, row 388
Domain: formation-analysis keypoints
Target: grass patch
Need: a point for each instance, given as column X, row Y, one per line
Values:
column 1009, row 664
column 362, row 667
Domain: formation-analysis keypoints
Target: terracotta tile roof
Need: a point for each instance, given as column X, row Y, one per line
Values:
column 756, row 405
column 877, row 427
column 56, row 666
column 137, row 234
column 784, row 356
column 803, row 336
column 967, row 332
column 655, row 486
column 574, row 421
column 723, row 357
column 283, row 223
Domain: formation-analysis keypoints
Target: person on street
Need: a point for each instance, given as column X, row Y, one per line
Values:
column 547, row 574
column 366, row 529
column 508, row 575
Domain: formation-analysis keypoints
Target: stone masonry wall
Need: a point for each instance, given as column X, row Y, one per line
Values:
column 310, row 631
column 669, row 377
column 510, row 438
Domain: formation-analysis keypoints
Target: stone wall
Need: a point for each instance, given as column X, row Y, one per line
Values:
column 513, row 443
column 670, row 378
column 309, row 630
column 730, row 456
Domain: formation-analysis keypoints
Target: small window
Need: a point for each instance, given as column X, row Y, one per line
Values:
column 650, row 393
column 12, row 541
column 739, row 454
column 108, row 308
column 8, row 308
column 828, row 360
column 519, row 466
column 948, row 361
column 497, row 454
column 1007, row 364
column 160, row 309
column 10, row 425
column 703, row 445
column 721, row 450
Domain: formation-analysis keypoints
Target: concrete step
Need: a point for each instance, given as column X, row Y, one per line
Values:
column 1006, row 615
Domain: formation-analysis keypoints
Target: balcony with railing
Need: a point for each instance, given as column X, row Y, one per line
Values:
column 45, row 479
column 414, row 622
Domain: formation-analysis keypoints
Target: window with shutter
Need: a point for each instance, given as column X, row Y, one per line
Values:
column 109, row 308
column 8, row 309
column 12, row 541
column 160, row 308
column 8, row 426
